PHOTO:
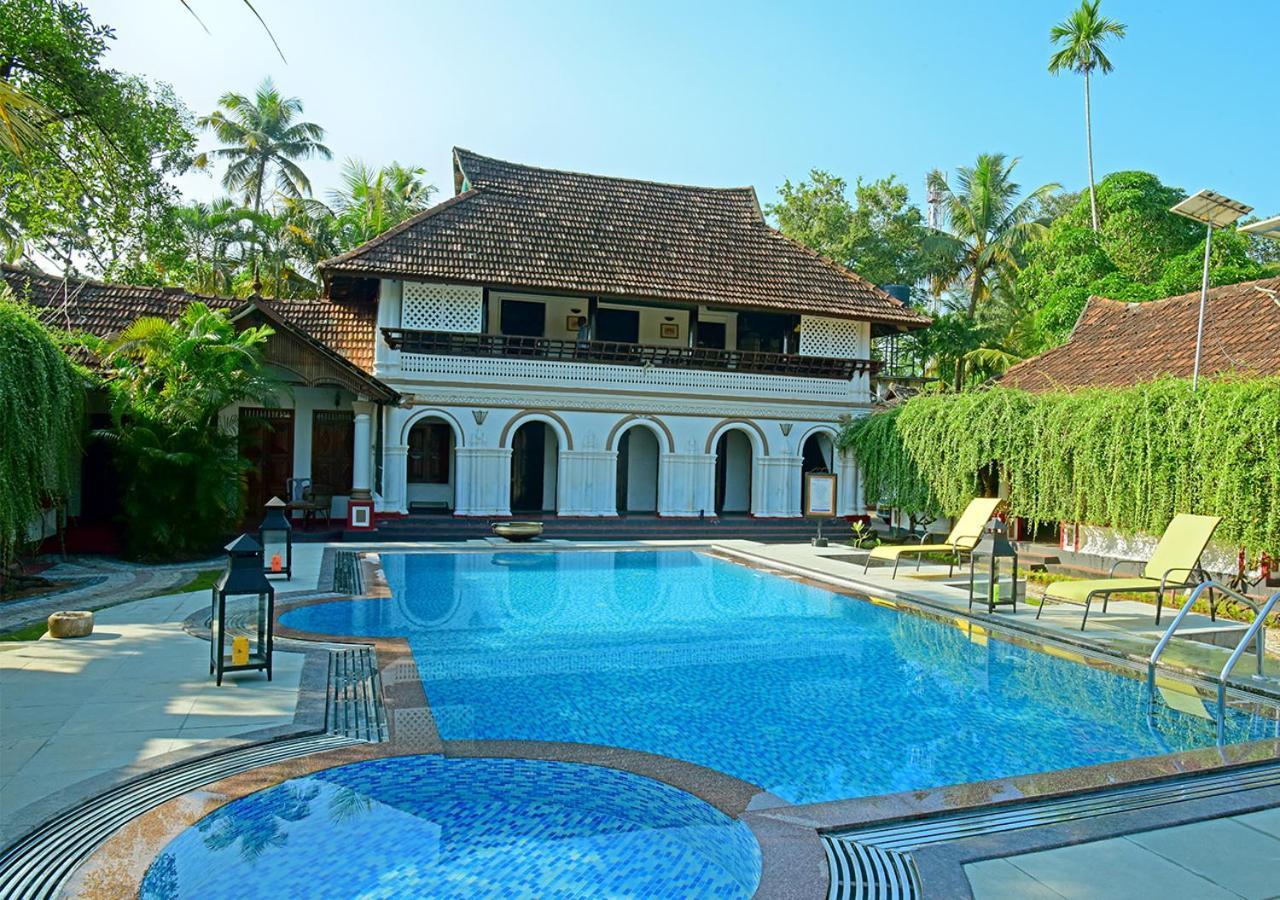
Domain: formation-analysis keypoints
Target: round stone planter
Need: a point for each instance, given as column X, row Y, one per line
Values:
column 73, row 624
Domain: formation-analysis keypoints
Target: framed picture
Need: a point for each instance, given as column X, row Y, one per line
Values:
column 669, row 331
column 820, row 496
column 573, row 323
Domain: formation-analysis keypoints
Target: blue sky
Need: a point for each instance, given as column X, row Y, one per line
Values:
column 739, row 93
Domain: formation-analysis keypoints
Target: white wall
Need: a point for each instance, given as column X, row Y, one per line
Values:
column 642, row 470
column 550, row 470
column 737, row 472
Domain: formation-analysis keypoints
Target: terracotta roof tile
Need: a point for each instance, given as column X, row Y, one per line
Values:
column 106, row 309
column 520, row 226
column 1116, row 343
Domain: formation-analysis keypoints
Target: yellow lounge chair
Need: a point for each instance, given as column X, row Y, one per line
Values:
column 964, row 536
column 1174, row 565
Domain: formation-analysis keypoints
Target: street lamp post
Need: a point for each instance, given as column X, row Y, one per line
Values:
column 1211, row 209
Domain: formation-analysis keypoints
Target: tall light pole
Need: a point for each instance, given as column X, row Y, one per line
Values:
column 1211, row 209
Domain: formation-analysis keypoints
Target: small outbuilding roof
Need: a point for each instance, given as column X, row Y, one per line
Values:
column 347, row 331
column 519, row 226
column 1116, row 343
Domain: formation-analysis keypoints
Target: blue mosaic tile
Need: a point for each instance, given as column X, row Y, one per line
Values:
column 425, row 826
column 809, row 694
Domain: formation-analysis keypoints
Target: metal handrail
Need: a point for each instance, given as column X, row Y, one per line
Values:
column 1168, row 635
column 1256, row 630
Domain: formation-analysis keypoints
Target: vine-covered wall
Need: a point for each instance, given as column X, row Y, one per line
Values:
column 41, row 416
column 1128, row 458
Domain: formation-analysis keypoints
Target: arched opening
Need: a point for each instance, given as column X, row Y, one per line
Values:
column 637, row 471
column 535, row 457
column 430, row 466
column 733, row 472
column 817, row 455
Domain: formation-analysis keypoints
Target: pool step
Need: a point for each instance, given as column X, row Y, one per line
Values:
column 864, row 860
column 355, row 696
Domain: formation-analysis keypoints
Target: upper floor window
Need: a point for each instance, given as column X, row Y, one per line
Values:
column 621, row 325
column 524, row 318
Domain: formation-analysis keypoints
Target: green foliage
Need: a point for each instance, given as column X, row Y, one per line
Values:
column 1127, row 458
column 90, row 167
column 169, row 382
column 880, row 235
column 1142, row 251
column 42, row 408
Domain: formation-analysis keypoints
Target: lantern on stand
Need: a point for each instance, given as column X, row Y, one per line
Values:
column 1000, row 569
column 244, row 577
column 276, row 536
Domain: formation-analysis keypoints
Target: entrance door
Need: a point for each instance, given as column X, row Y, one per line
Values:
column 528, row 461
column 733, row 473
column 266, row 442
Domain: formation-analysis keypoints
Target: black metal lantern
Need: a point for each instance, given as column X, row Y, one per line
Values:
column 243, row 577
column 1002, row 558
column 276, row 536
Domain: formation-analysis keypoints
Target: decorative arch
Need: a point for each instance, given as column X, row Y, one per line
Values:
column 558, row 425
column 759, row 442
column 459, row 439
column 654, row 424
column 829, row 430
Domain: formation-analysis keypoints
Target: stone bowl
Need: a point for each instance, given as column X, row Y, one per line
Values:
column 517, row 531
column 71, row 624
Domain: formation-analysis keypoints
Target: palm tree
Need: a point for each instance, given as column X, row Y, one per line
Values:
column 1080, row 39
column 371, row 201
column 209, row 233
column 264, row 140
column 989, row 225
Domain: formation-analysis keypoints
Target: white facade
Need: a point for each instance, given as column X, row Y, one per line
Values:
column 587, row 408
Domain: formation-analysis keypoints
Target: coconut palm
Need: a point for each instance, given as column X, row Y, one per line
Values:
column 989, row 225
column 210, row 234
column 372, row 200
column 263, row 142
column 1080, row 39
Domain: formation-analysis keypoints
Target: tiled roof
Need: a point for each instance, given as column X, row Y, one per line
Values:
column 1117, row 343
column 106, row 309
column 525, row 227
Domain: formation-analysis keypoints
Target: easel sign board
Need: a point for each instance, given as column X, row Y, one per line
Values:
column 820, row 495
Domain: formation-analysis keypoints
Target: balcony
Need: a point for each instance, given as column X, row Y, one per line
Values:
column 610, row 353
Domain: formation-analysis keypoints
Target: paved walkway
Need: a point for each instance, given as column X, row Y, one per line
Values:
column 1228, row 858
column 138, row 687
column 106, row 583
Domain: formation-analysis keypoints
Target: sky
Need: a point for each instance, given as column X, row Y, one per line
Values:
column 742, row 93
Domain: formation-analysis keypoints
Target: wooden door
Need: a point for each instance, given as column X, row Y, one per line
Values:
column 266, row 442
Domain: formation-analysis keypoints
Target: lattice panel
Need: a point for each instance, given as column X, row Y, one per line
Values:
column 442, row 307
column 837, row 338
column 681, row 381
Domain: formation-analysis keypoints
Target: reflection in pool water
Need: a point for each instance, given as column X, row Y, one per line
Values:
column 425, row 826
column 808, row 694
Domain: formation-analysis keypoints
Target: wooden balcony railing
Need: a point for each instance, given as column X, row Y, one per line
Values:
column 450, row 343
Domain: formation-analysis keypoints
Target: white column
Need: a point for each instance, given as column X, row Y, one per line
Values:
column 361, row 462
column 588, row 483
column 395, row 460
column 686, row 484
column 776, row 487
column 482, row 482
column 386, row 362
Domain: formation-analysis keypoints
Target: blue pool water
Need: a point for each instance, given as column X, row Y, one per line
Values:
column 424, row 826
column 809, row 694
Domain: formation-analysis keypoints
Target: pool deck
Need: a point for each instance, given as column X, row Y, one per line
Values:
column 79, row 716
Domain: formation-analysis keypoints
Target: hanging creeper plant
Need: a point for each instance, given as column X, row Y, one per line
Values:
column 41, row 414
column 1128, row 458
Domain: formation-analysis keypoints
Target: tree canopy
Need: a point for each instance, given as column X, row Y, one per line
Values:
column 83, row 174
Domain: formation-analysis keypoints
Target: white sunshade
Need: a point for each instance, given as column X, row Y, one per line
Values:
column 1266, row 228
column 1212, row 208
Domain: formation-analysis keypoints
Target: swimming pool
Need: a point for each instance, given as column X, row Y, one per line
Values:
column 804, row 692
column 425, row 826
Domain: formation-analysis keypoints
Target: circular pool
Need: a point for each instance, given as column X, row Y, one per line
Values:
column 426, row 826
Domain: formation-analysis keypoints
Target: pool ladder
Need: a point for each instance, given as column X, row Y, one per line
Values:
column 1255, row 633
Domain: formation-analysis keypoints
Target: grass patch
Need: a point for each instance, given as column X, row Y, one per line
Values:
column 201, row 581
column 32, row 632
